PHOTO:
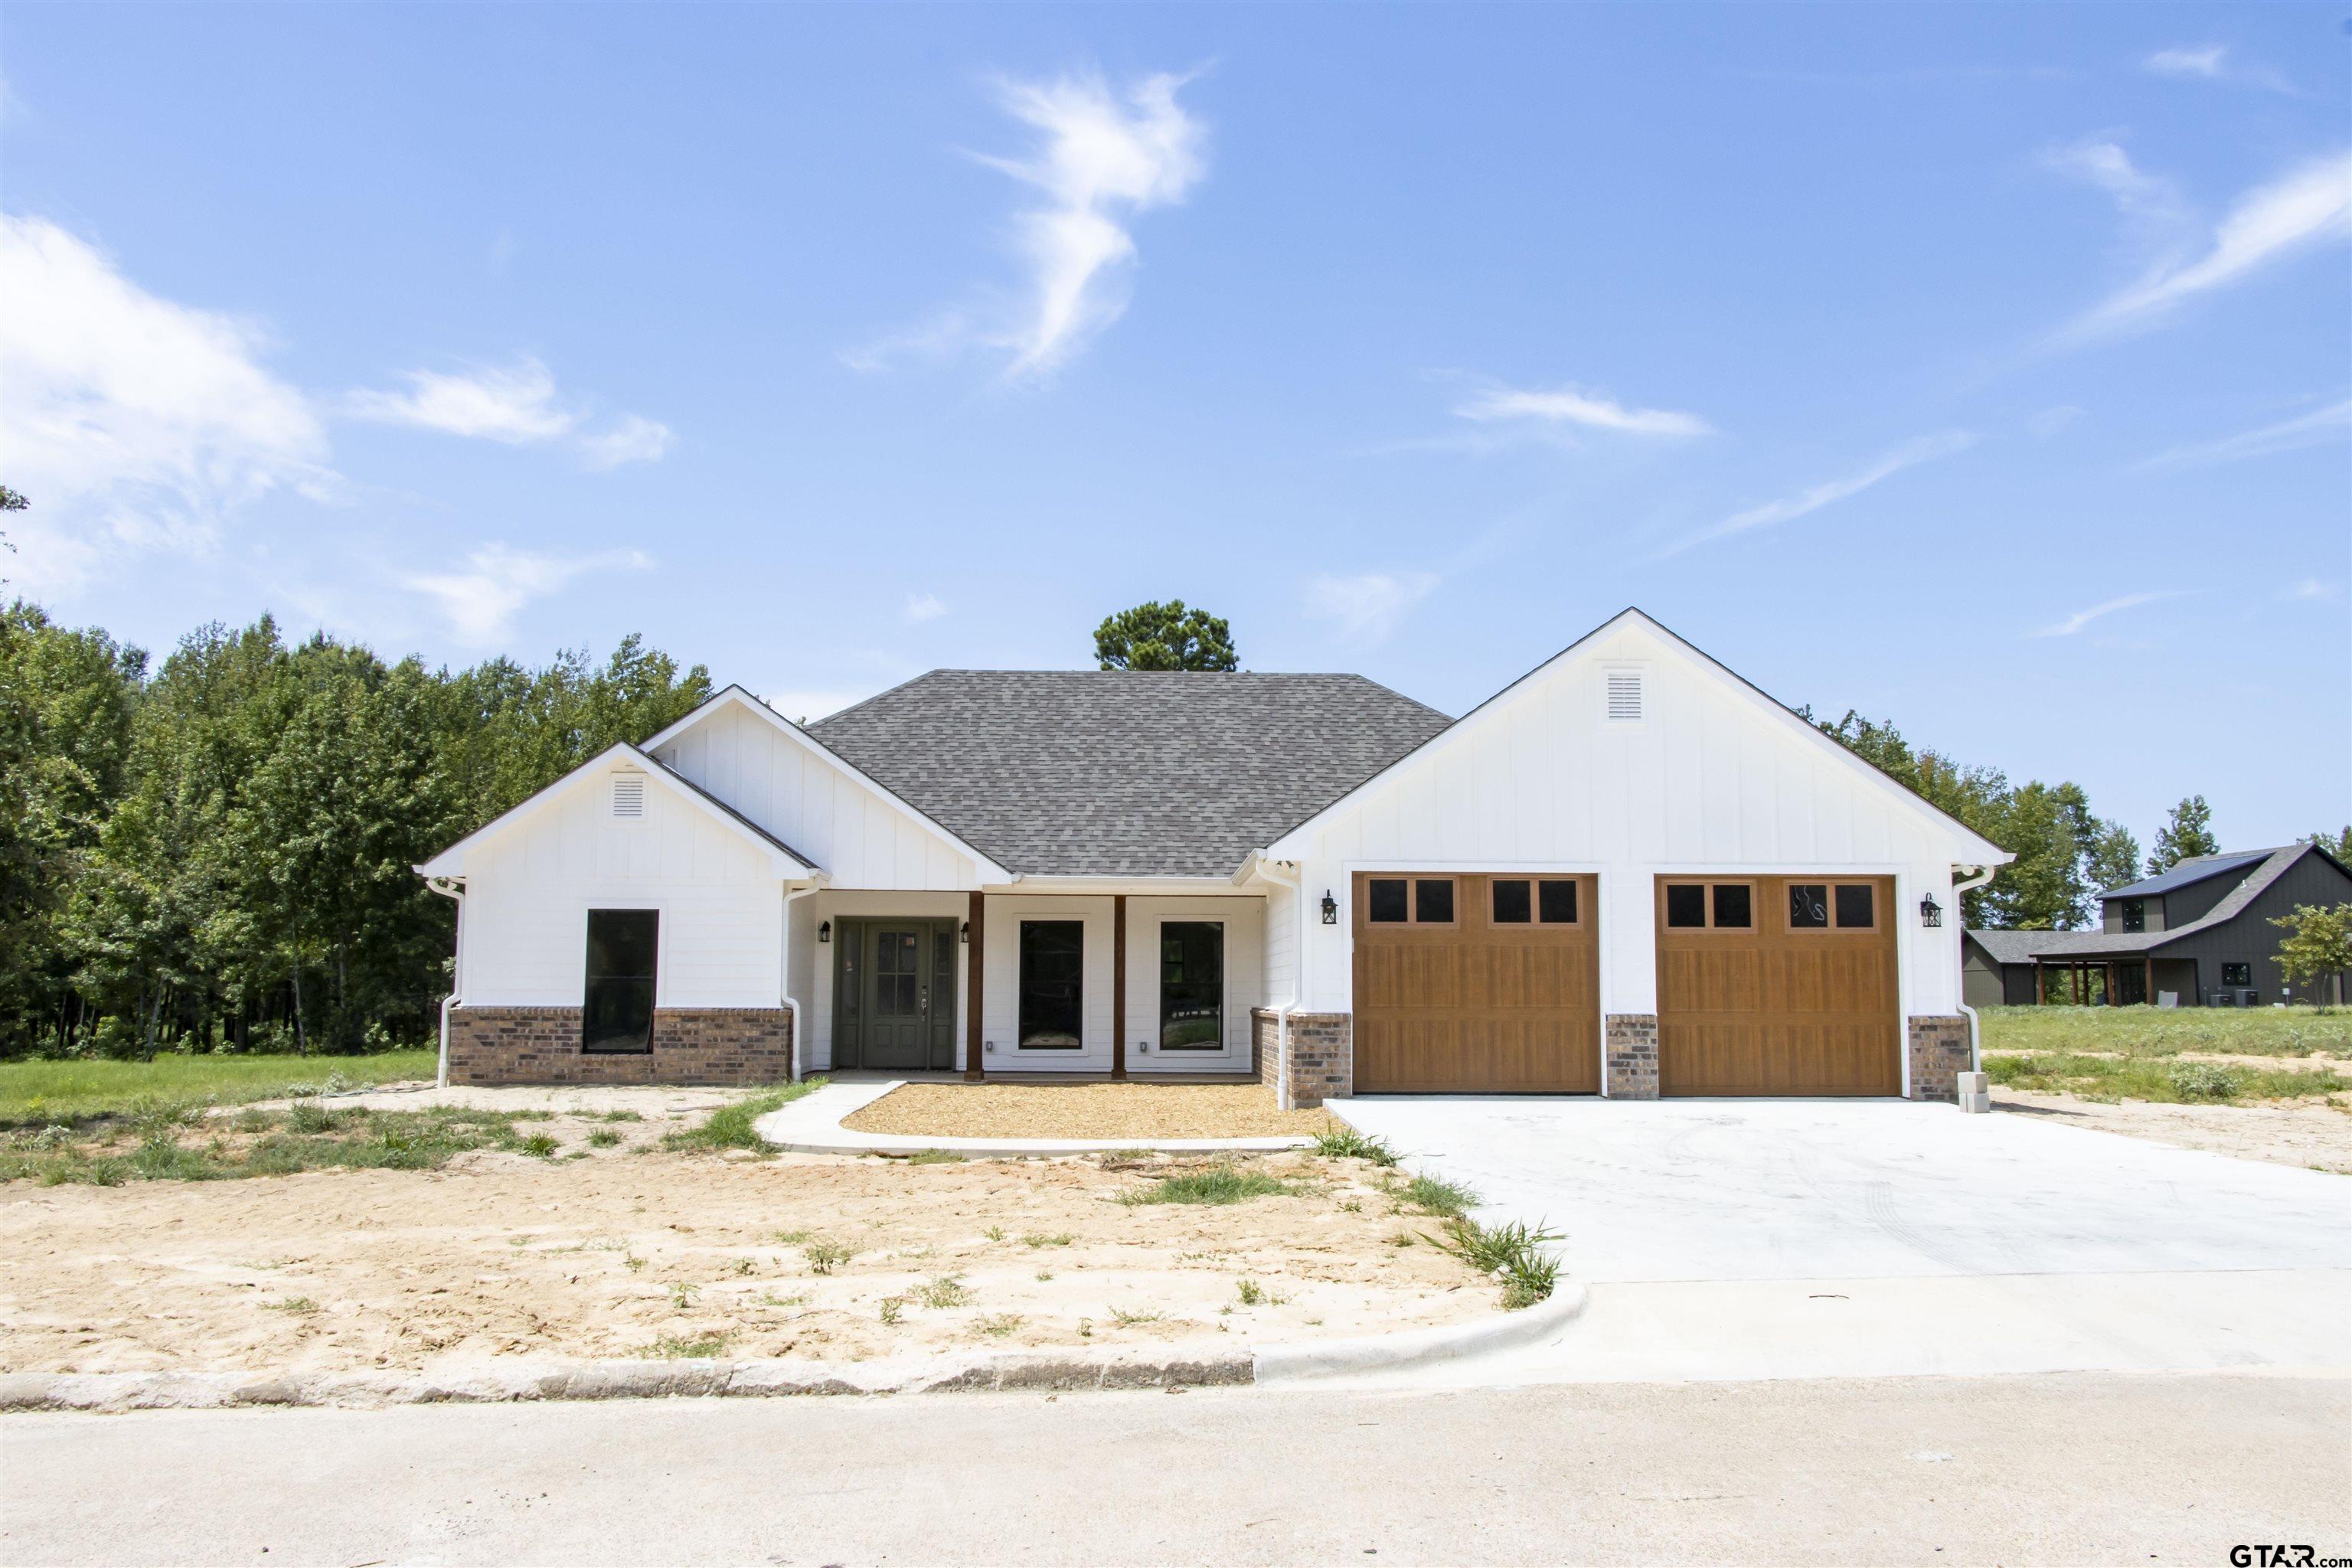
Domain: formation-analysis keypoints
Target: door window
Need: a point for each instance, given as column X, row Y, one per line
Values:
column 1191, row 985
column 895, row 982
column 1053, row 984
column 617, row 1015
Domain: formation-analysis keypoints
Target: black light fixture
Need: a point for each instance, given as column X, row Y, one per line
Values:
column 825, row 930
column 963, row 934
column 1931, row 913
column 1331, row 908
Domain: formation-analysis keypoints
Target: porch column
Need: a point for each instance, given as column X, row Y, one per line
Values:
column 973, row 969
column 1118, row 986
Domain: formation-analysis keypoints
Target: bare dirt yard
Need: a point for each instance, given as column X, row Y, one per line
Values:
column 2316, row 1135
column 603, row 1242
column 1086, row 1110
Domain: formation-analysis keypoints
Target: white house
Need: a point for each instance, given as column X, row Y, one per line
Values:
column 1629, row 873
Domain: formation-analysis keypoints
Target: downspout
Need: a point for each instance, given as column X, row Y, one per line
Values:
column 1960, row 913
column 785, row 976
column 449, row 888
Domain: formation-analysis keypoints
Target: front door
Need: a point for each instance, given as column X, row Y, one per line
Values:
column 895, row 995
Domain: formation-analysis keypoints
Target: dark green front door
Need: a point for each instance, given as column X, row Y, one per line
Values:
column 894, row 995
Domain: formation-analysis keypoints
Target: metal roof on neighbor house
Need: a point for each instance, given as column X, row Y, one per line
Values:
column 2195, row 868
column 2273, row 865
column 1126, row 773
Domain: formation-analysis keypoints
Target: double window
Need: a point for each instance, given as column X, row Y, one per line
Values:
column 1191, row 985
column 2135, row 915
column 1710, row 906
column 1416, row 900
column 1536, row 900
column 1832, row 906
column 617, row 1015
column 1053, row 985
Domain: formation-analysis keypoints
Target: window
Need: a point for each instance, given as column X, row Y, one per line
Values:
column 2134, row 913
column 1556, row 903
column 1718, row 906
column 1857, row 907
column 1514, row 902
column 1053, row 984
column 2237, row 974
column 617, row 1015
column 1809, row 906
column 1624, row 696
column 1433, row 901
column 1191, row 985
column 1385, row 904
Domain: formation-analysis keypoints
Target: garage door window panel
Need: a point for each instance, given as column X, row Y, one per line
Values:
column 1556, row 901
column 1433, row 901
column 1857, row 907
column 1697, row 907
column 1514, row 902
column 1384, row 901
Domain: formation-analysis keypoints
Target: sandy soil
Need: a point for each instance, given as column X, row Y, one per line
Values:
column 2317, row 1136
column 1086, row 1110
column 502, row 1255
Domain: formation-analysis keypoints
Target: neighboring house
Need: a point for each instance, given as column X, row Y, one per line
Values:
column 1628, row 873
column 2199, row 933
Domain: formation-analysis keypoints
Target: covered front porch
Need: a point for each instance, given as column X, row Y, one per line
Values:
column 1011, row 985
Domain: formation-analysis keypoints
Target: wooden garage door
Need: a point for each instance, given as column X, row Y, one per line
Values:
column 1778, row 985
column 1477, row 984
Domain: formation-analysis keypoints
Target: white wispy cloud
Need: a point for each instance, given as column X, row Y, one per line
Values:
column 1927, row 448
column 516, row 404
column 480, row 601
column 2080, row 618
column 2312, row 204
column 134, row 423
column 921, row 607
column 2055, row 420
column 2211, row 62
column 2333, row 423
column 1103, row 157
column 1570, row 406
column 1366, row 607
column 2308, row 590
column 2102, row 161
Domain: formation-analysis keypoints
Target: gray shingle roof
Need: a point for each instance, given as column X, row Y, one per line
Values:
column 2016, row 946
column 2090, row 944
column 2194, row 869
column 1126, row 773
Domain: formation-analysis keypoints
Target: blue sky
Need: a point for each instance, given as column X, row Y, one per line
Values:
column 1986, row 369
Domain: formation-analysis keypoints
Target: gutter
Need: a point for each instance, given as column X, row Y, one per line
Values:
column 452, row 889
column 1959, row 912
column 785, row 976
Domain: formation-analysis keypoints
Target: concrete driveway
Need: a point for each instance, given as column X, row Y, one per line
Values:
column 1744, row 1239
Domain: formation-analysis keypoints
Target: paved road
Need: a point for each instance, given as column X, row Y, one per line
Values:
column 2084, row 1468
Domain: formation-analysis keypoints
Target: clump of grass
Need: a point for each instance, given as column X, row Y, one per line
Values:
column 1513, row 1253
column 1127, row 1320
column 2203, row 1080
column 2162, row 1081
column 690, row 1347
column 1218, row 1185
column 1040, row 1238
column 770, row 1298
column 995, row 1233
column 1253, row 1294
column 622, row 1116
column 825, row 1257
column 741, row 1265
column 298, row 1306
column 310, row 1116
column 892, row 1306
column 1401, row 1238
column 945, row 1291
column 352, row 1139
column 1044, row 1275
column 1436, row 1196
column 1345, row 1143
column 603, row 1138
column 935, row 1157
column 997, row 1327
column 792, row 1238
column 729, row 1126
column 539, row 1145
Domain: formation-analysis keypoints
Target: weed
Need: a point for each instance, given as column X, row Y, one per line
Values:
column 997, row 1327
column 1347, row 1143
column 945, row 1291
column 1044, row 1275
column 1127, row 1320
column 791, row 1238
column 636, row 1264
column 1401, row 1238
column 696, row 1347
column 538, row 1146
column 1514, row 1252
column 622, row 1116
column 1436, row 1196
column 2203, row 1080
column 298, row 1306
column 825, row 1257
column 729, row 1126
column 1040, row 1238
column 310, row 1116
column 1086, row 1327
column 1219, row 1185
column 995, row 1233
column 770, row 1298
column 1351, row 1206
column 934, row 1157
column 891, row 1307
column 1250, row 1293
column 603, row 1138
column 681, row 1294
column 740, row 1266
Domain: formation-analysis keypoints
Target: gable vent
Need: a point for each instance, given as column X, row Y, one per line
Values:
column 628, row 794
column 1624, row 696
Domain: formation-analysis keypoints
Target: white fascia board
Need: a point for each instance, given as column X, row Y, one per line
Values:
column 1143, row 887
column 1979, row 849
column 451, row 862
column 988, row 870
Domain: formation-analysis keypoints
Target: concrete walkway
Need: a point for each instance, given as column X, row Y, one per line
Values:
column 1821, row 1238
column 812, row 1125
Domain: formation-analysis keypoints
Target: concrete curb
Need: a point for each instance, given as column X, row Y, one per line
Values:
column 812, row 1125
column 1309, row 1360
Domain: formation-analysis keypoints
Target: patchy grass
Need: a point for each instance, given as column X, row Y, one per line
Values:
column 689, row 1347
column 1219, row 1185
column 2161, row 1080
column 75, row 1094
column 825, row 1257
column 1514, row 1254
column 1345, row 1143
column 1436, row 1196
column 162, row 1143
column 729, row 1126
column 2143, row 1032
column 935, row 1157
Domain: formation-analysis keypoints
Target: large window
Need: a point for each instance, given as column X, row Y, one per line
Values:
column 2135, row 915
column 1191, row 985
column 1053, row 984
column 617, row 1017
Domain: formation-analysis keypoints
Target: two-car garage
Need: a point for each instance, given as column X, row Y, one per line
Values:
column 1478, row 984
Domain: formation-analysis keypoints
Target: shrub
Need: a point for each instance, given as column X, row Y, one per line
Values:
column 2203, row 1080
column 825, row 1257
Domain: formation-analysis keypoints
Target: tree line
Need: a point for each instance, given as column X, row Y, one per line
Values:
column 216, row 853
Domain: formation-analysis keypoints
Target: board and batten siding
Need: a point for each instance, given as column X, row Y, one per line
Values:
column 1712, row 777
column 1280, row 984
column 529, row 891
column 861, row 839
column 1245, row 955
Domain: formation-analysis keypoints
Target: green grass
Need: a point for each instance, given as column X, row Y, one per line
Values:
column 1347, row 1143
column 2145, row 1032
column 1436, row 1196
column 688, row 1347
column 1514, row 1254
column 74, row 1093
column 2160, row 1079
column 155, row 1144
column 729, row 1126
column 1219, row 1185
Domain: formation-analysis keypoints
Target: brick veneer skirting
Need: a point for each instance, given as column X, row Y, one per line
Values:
column 1940, row 1054
column 1321, row 1061
column 1630, row 1051
column 691, row 1045
column 1265, row 1042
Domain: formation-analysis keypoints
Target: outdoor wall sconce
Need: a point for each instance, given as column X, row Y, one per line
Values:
column 1331, row 908
column 1931, row 913
column 825, row 930
column 963, row 934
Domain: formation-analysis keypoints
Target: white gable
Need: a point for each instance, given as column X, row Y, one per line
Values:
column 781, row 777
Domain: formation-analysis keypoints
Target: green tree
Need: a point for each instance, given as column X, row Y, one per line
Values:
column 2336, row 843
column 1165, row 637
column 2114, row 857
column 2318, row 945
column 2187, row 834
